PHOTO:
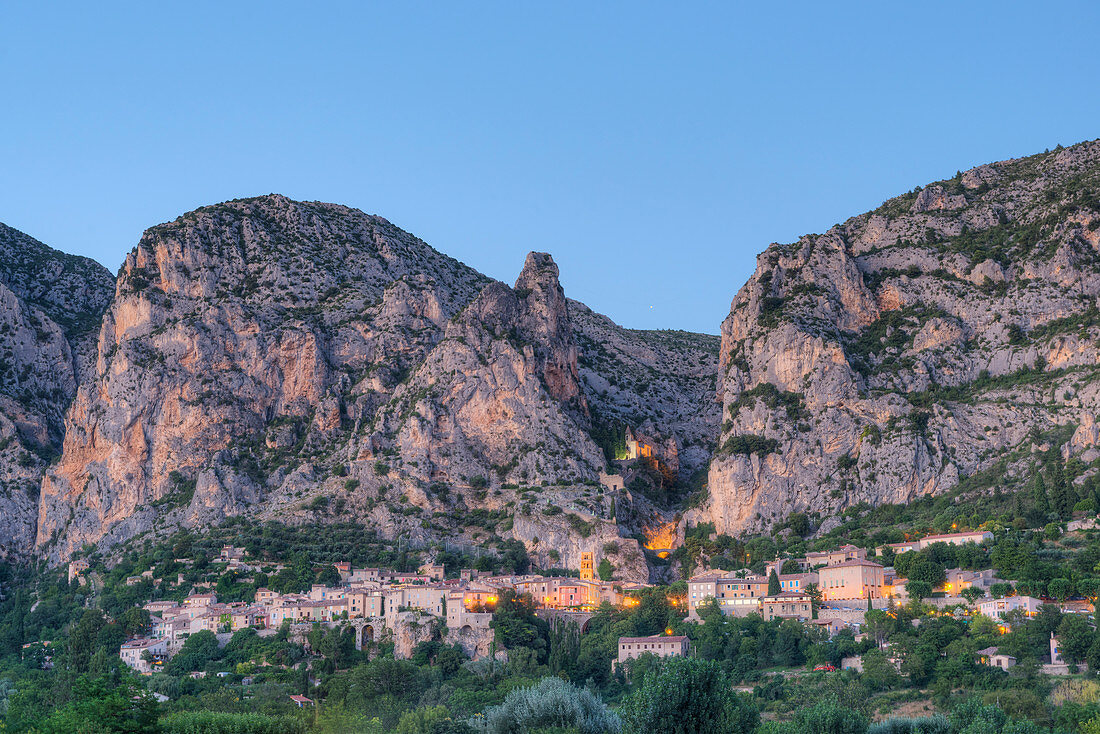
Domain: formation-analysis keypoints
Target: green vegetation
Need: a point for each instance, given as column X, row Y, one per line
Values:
column 767, row 393
column 748, row 443
column 557, row 679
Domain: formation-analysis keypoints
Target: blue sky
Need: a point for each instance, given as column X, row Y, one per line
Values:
column 653, row 148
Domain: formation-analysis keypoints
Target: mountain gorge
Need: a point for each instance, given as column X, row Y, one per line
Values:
column 307, row 362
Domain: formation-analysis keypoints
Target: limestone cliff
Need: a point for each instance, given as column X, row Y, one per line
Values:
column 246, row 343
column 309, row 362
column 50, row 304
column 305, row 361
column 949, row 331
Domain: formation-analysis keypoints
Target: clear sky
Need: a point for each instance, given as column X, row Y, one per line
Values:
column 653, row 148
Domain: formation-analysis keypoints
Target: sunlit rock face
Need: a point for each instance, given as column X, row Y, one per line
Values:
column 309, row 362
column 248, row 346
column 870, row 363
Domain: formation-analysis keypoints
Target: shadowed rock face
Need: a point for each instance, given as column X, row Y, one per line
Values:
column 862, row 365
column 50, row 305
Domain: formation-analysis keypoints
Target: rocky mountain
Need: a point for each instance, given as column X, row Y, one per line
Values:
column 946, row 336
column 50, row 305
column 307, row 361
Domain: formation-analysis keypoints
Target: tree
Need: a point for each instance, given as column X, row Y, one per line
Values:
column 565, row 640
column 774, row 587
column 550, row 703
column 799, row 524
column 328, row 576
column 814, row 592
column 430, row 720
column 1075, row 637
column 1000, row 589
column 688, row 695
column 928, row 571
column 1060, row 589
column 105, row 707
column 516, row 625
column 1093, row 655
column 135, row 622
column 1039, row 493
column 1090, row 589
column 918, row 590
column 903, row 563
column 879, row 674
column 197, row 652
column 82, row 640
column 879, row 623
column 606, row 570
column 972, row 594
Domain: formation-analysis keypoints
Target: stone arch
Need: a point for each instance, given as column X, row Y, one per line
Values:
column 466, row 629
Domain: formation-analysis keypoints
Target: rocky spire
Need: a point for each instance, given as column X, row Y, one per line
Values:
column 544, row 319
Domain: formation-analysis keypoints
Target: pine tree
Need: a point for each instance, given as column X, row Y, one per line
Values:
column 1039, row 493
column 1062, row 494
column 773, row 584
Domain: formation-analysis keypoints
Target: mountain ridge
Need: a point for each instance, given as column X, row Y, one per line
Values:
column 305, row 361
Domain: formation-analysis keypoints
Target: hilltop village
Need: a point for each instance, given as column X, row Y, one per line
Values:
column 831, row 591
column 381, row 606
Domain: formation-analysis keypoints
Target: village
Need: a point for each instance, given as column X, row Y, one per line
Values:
column 832, row 590
column 379, row 604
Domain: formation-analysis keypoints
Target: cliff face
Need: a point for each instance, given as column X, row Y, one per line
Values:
column 305, row 361
column 50, row 304
column 244, row 340
column 953, row 328
column 658, row 383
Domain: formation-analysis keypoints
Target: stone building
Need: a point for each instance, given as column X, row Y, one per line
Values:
column 659, row 645
column 787, row 605
column 736, row 597
column 994, row 658
column 855, row 579
column 132, row 653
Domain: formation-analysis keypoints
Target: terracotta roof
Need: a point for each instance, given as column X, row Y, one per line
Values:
column 955, row 535
column 654, row 638
column 851, row 563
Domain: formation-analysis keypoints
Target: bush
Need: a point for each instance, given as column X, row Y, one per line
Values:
column 217, row 722
column 550, row 703
column 688, row 695
column 906, row 725
column 747, row 444
column 829, row 717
